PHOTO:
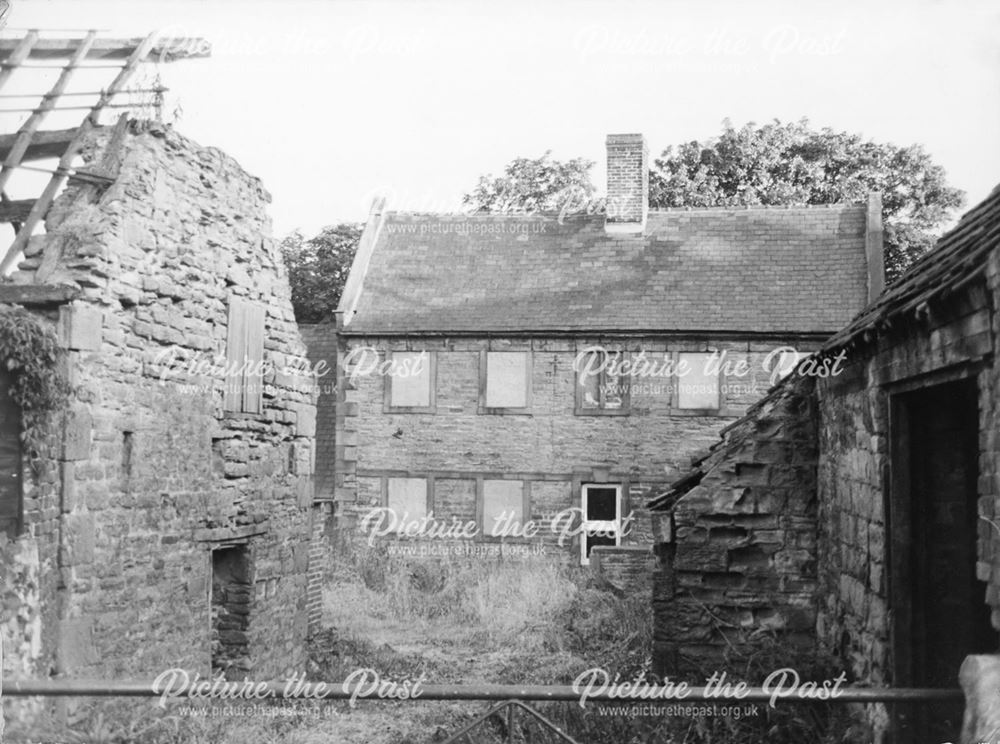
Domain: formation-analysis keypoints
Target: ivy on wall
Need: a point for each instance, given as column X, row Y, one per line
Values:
column 29, row 351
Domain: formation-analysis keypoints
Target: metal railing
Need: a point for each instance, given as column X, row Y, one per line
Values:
column 511, row 699
column 534, row 693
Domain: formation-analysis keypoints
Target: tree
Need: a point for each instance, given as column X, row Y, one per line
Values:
column 528, row 186
column 778, row 164
column 318, row 268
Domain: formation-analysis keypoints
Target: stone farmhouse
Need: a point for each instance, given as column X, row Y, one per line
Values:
column 858, row 511
column 499, row 371
column 162, row 516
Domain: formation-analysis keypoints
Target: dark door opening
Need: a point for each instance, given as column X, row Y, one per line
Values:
column 939, row 607
column 232, row 597
column 11, row 506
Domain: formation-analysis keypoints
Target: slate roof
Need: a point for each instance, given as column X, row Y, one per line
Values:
column 958, row 257
column 765, row 270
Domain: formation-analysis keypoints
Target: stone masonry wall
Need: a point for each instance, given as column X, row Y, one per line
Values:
column 852, row 514
column 154, row 472
column 550, row 447
column 737, row 552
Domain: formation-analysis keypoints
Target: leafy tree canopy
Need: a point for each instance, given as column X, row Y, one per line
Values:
column 773, row 164
column 318, row 268
column 534, row 185
column 779, row 164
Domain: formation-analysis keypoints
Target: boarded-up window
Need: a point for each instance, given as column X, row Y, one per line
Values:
column 410, row 376
column 503, row 505
column 10, row 461
column 699, row 387
column 506, row 380
column 408, row 496
column 245, row 357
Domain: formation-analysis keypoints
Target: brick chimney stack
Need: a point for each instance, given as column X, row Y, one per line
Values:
column 628, row 184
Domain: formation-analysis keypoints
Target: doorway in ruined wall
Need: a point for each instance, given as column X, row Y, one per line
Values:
column 231, row 600
column 11, row 496
column 939, row 610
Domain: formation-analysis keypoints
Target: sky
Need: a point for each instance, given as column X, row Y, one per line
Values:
column 331, row 103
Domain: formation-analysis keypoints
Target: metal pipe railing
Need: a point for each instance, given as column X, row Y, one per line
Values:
column 535, row 693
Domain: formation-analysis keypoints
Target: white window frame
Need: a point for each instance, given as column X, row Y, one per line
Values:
column 598, row 524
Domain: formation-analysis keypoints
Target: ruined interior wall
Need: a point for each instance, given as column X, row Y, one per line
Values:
column 156, row 474
column 737, row 552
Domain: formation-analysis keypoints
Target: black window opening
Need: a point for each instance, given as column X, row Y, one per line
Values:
column 602, row 515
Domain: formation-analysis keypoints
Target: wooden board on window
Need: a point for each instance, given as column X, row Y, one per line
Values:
column 253, row 389
column 244, row 355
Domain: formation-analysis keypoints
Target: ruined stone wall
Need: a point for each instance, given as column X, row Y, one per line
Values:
column 550, row 446
column 737, row 552
column 29, row 572
column 155, row 472
column 988, row 544
column 855, row 454
column 853, row 442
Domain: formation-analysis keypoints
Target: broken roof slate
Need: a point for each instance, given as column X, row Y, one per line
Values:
column 765, row 270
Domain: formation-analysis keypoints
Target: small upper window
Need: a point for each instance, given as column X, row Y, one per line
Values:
column 505, row 378
column 410, row 381
column 698, row 388
column 601, row 388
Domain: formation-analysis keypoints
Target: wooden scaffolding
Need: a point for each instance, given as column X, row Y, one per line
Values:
column 31, row 143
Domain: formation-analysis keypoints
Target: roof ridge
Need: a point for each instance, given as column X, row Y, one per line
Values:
column 489, row 215
column 750, row 207
column 556, row 214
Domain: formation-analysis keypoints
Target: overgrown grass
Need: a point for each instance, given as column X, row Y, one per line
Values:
column 496, row 621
